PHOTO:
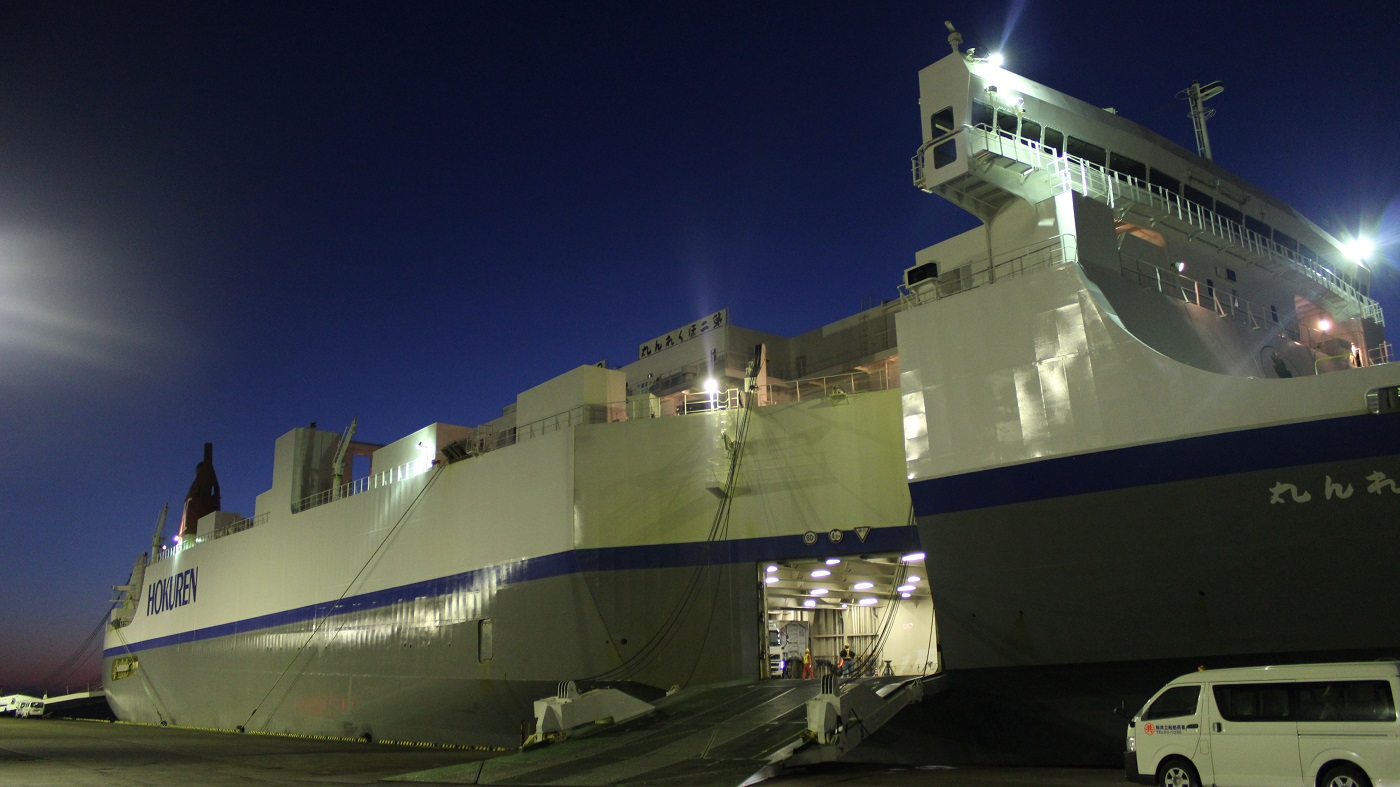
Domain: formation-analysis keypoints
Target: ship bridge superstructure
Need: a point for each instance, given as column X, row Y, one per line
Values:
column 993, row 138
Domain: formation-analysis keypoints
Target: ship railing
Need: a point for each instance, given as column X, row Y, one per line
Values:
column 1178, row 285
column 1184, row 288
column 983, row 271
column 1114, row 188
column 1111, row 187
column 722, row 363
column 405, row 471
column 236, row 526
column 834, row 387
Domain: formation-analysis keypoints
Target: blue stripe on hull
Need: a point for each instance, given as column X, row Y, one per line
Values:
column 889, row 539
column 1251, row 450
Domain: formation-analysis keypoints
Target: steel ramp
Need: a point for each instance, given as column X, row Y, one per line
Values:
column 728, row 733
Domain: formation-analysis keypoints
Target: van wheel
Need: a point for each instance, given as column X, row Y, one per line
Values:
column 1177, row 772
column 1345, row 776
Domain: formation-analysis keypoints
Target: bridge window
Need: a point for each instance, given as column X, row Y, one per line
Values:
column 1286, row 241
column 1089, row 152
column 941, row 122
column 1054, row 140
column 1255, row 225
column 1125, row 166
column 944, row 153
column 1164, row 181
column 981, row 114
column 1030, row 129
column 1008, row 122
column 1227, row 212
column 1198, row 197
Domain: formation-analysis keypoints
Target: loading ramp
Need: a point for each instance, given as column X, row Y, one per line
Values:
column 730, row 733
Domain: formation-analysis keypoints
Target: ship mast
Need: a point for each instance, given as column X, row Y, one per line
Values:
column 1197, row 95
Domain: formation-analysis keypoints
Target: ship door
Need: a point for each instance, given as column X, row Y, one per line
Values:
column 878, row 605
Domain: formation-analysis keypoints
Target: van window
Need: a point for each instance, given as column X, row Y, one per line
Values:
column 1346, row 700
column 1179, row 701
column 1253, row 702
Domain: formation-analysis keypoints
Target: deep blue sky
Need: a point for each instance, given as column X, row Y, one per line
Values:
column 219, row 221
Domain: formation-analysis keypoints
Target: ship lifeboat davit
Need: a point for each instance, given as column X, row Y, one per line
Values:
column 203, row 497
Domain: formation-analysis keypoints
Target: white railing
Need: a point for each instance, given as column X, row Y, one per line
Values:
column 835, row 385
column 981, row 272
column 237, row 526
column 378, row 480
column 1099, row 183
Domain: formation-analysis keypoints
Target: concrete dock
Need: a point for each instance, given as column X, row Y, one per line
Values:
column 62, row 752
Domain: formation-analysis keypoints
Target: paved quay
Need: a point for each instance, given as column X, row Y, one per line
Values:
column 61, row 752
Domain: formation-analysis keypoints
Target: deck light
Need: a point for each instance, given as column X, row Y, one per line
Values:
column 831, row 561
column 711, row 385
column 905, row 589
column 911, row 557
column 1359, row 249
column 904, row 595
column 818, row 592
column 771, row 568
column 869, row 601
column 1324, row 325
column 863, row 586
column 995, row 60
column 914, row 578
column 811, row 602
column 819, row 573
column 770, row 580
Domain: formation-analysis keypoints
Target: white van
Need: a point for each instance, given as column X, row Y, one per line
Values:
column 29, row 708
column 1305, row 725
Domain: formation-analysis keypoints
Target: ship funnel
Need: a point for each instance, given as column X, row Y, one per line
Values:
column 203, row 497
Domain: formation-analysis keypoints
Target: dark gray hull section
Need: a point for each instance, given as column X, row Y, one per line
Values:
column 408, row 672
column 1052, row 611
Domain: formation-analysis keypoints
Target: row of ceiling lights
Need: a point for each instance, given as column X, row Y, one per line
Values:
column 905, row 590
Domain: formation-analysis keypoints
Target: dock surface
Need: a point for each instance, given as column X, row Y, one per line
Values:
column 60, row 752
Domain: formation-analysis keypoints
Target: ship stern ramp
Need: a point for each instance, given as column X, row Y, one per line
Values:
column 741, row 732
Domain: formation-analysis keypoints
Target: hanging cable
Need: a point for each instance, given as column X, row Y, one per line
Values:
column 74, row 662
column 719, row 531
column 321, row 619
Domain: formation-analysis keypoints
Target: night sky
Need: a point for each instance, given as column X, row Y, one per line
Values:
column 220, row 221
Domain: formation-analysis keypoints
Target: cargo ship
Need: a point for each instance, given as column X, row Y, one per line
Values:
column 1138, row 419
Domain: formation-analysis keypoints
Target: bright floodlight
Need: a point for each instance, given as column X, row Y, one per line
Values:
column 995, row 59
column 1324, row 325
column 711, row 385
column 1360, row 249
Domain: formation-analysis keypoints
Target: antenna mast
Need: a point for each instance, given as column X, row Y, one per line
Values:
column 1197, row 95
